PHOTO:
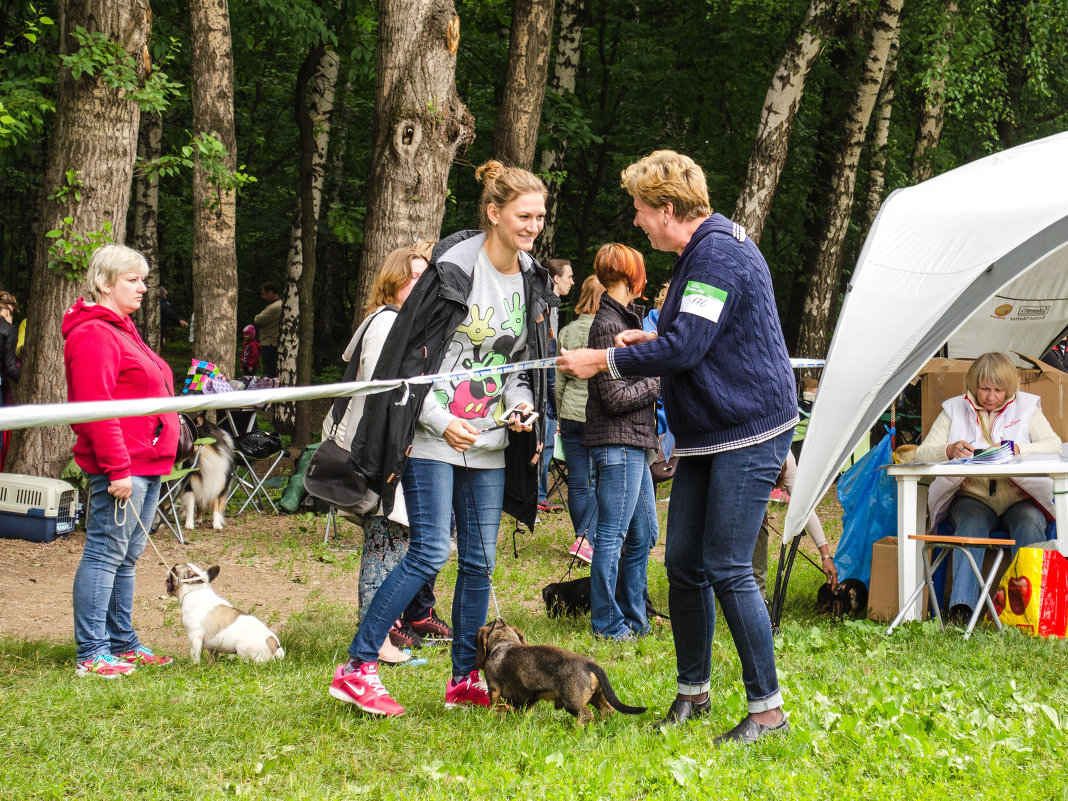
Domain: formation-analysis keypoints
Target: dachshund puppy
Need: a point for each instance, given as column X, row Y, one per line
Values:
column 851, row 598
column 522, row 675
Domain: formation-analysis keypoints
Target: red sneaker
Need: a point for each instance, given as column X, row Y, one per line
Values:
column 363, row 688
column 432, row 628
column 471, row 690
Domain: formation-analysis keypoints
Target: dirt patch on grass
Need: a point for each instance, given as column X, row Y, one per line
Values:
column 258, row 576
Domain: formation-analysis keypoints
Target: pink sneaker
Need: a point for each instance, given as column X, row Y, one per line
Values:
column 363, row 688
column 582, row 549
column 471, row 690
column 104, row 666
column 779, row 496
column 142, row 656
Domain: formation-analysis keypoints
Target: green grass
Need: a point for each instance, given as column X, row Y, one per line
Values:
column 922, row 714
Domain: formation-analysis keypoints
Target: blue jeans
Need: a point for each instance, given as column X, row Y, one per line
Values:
column 547, row 455
column 104, row 583
column 1023, row 521
column 717, row 506
column 580, row 489
column 432, row 492
column 626, row 522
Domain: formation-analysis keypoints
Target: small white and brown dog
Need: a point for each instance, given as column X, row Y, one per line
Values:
column 213, row 623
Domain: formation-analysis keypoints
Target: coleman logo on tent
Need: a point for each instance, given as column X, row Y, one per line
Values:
column 1003, row 310
column 704, row 300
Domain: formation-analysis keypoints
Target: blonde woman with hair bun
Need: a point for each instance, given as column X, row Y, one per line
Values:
column 464, row 446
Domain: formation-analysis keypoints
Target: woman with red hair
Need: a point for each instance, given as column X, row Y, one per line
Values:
column 620, row 425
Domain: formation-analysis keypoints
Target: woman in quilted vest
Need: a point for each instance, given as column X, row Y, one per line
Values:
column 992, row 411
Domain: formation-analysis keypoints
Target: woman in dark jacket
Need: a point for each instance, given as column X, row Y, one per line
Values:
column 729, row 396
column 620, row 425
column 482, row 303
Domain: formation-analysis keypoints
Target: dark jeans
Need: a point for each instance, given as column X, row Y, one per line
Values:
column 717, row 505
column 626, row 530
column 547, row 455
column 269, row 353
column 580, row 489
column 432, row 492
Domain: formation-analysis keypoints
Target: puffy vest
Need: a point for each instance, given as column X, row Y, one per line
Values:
column 1012, row 423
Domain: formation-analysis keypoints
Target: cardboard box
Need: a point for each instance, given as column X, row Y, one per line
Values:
column 941, row 379
column 882, row 588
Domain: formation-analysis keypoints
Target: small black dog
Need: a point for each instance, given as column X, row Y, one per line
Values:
column 567, row 598
column 572, row 599
column 851, row 598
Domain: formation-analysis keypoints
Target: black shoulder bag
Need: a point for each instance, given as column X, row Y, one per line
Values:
column 330, row 476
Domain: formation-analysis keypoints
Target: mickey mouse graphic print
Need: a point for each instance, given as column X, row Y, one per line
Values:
column 493, row 334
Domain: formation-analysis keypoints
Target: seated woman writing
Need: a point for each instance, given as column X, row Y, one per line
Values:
column 991, row 412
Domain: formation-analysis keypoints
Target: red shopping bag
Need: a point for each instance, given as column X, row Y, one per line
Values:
column 1033, row 593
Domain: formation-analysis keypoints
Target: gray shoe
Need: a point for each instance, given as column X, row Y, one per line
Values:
column 749, row 731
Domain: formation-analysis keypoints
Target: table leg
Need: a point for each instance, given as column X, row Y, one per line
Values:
column 908, row 550
column 1060, row 508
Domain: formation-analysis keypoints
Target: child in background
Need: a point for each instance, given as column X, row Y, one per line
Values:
column 250, row 352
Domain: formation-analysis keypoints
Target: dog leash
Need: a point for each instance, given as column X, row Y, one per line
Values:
column 780, row 534
column 481, row 538
column 123, row 503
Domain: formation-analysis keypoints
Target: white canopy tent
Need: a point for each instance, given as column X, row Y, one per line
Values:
column 976, row 259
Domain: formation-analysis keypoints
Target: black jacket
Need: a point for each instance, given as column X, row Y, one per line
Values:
column 9, row 368
column 619, row 411
column 416, row 346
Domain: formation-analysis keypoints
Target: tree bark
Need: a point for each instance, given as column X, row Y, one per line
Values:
column 562, row 84
column 515, row 136
column 884, row 105
column 776, row 120
column 934, row 102
column 297, row 335
column 822, row 298
column 94, row 135
column 420, row 126
column 144, row 236
column 214, row 208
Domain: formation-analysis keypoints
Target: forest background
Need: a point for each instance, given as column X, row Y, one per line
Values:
column 205, row 134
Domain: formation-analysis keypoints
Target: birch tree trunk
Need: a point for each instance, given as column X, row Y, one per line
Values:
column 420, row 126
column 884, row 105
column 515, row 136
column 562, row 84
column 144, row 236
column 214, row 208
column 822, row 298
column 772, row 140
column 297, row 332
column 94, row 136
column 934, row 102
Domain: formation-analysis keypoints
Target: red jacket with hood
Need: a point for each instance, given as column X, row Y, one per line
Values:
column 106, row 359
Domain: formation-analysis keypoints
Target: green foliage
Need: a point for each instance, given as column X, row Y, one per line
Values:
column 70, row 250
column 99, row 56
column 23, row 104
column 211, row 155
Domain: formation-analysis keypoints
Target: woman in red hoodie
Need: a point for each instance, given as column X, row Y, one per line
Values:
column 106, row 359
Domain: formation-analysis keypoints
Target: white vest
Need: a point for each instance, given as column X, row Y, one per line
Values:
column 1012, row 423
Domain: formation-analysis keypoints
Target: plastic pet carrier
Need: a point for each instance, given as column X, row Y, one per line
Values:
column 35, row 508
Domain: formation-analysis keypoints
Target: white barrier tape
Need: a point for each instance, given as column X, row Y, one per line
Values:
column 54, row 414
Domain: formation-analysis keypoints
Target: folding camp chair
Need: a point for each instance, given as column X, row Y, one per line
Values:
column 172, row 486
column 251, row 445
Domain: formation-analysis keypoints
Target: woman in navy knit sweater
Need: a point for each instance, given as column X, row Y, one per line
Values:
column 729, row 397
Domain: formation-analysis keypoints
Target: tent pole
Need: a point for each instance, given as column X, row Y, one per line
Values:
column 782, row 578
